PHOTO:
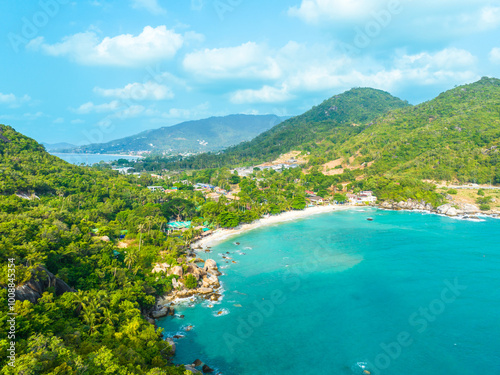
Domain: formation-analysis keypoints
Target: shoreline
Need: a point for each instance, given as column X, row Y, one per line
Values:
column 223, row 234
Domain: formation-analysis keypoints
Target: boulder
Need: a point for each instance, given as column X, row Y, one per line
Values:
column 205, row 290
column 176, row 284
column 40, row 281
column 177, row 270
column 207, row 369
column 470, row 208
column 172, row 344
column 443, row 209
column 211, row 267
column 197, row 363
column 452, row 212
column 196, row 271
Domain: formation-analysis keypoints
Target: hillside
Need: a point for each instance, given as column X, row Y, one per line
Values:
column 338, row 119
column 212, row 134
column 452, row 137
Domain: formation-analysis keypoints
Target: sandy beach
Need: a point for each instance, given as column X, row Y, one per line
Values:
column 223, row 234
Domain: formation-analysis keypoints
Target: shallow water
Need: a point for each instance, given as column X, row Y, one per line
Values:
column 408, row 293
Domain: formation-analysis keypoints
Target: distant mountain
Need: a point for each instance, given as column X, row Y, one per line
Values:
column 57, row 146
column 337, row 119
column 210, row 134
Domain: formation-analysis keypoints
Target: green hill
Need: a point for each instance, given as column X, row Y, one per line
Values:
column 454, row 136
column 338, row 119
column 212, row 134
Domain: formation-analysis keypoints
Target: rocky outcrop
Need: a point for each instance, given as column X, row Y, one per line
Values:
column 177, row 270
column 40, row 281
column 160, row 311
column 161, row 267
column 470, row 208
column 171, row 342
column 410, row 204
column 211, row 267
column 196, row 271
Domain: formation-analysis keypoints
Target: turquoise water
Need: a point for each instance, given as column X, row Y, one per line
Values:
column 408, row 293
column 90, row 159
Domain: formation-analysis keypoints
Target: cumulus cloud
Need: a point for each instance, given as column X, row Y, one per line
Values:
column 14, row 101
column 266, row 94
column 495, row 55
column 138, row 91
column 126, row 50
column 151, row 6
column 90, row 107
column 327, row 74
column 248, row 60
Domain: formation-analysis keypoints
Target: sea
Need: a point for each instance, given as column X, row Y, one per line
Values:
column 89, row 159
column 406, row 293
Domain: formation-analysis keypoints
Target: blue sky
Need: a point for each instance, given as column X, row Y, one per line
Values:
column 91, row 71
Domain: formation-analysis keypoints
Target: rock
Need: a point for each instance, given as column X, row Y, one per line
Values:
column 205, row 290
column 181, row 317
column 211, row 267
column 177, row 270
column 40, row 281
column 172, row 344
column 470, row 208
column 196, row 271
column 176, row 284
column 207, row 369
column 197, row 363
column 449, row 197
column 160, row 313
column 161, row 267
column 198, row 260
column 452, row 212
column 105, row 239
column 443, row 209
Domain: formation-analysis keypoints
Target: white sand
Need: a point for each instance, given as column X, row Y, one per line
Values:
column 222, row 234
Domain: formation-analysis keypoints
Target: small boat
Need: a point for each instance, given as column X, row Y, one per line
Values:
column 370, row 219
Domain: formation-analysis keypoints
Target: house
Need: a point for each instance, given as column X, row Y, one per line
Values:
column 352, row 198
column 366, row 197
column 156, row 188
column 316, row 200
column 213, row 196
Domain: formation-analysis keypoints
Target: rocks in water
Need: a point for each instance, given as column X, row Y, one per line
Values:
column 197, row 363
column 40, row 281
column 198, row 260
column 162, row 311
column 452, row 212
column 443, row 209
column 177, row 270
column 188, row 328
column 211, row 267
column 211, row 282
column 207, row 369
column 181, row 316
column 205, row 290
column 196, row 271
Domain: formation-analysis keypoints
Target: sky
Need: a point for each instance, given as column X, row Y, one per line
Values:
column 96, row 70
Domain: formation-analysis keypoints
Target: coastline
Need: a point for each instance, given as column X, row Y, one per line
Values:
column 223, row 234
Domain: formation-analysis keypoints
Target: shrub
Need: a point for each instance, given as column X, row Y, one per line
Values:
column 452, row 191
column 480, row 192
column 484, row 207
column 190, row 281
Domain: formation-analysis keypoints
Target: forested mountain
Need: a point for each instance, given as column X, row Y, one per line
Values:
column 337, row 119
column 48, row 211
column 454, row 136
column 368, row 132
column 57, row 146
column 214, row 133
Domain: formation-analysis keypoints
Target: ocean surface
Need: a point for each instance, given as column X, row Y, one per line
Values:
column 406, row 293
column 90, row 159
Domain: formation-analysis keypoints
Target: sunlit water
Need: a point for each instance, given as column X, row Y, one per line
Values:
column 407, row 293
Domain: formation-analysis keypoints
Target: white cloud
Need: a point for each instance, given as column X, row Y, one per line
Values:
column 90, row 107
column 266, row 94
column 151, row 6
column 248, row 60
column 130, row 112
column 86, row 48
column 490, row 17
column 138, row 91
column 448, row 58
column 313, row 11
column 495, row 55
column 13, row 101
column 77, row 121
column 58, row 120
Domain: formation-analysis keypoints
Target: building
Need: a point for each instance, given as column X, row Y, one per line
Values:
column 156, row 188
column 316, row 200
